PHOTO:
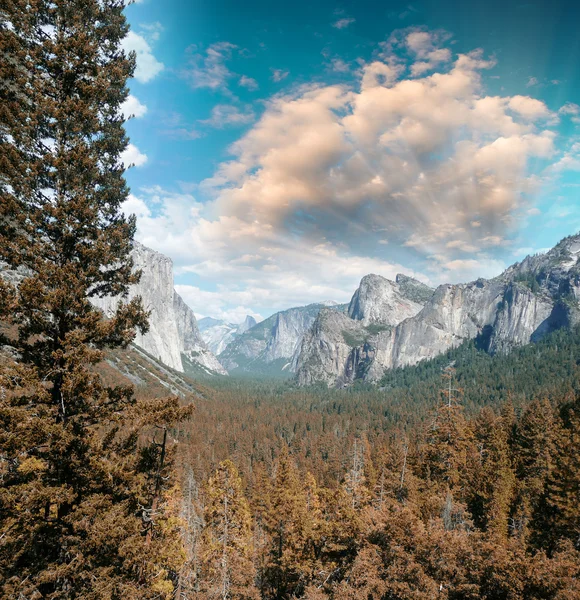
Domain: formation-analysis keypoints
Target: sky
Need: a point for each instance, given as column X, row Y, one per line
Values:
column 281, row 151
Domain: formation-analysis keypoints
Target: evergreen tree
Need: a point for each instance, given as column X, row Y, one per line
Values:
column 450, row 450
column 289, row 524
column 82, row 509
column 227, row 568
column 495, row 481
column 563, row 486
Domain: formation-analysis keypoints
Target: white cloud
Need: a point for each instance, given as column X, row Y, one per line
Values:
column 132, row 107
column 529, row 108
column 248, row 82
column 425, row 45
column 148, row 67
column 343, row 23
column 225, row 115
column 132, row 156
column 279, row 74
column 570, row 109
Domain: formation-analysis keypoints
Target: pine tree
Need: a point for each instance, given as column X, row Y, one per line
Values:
column 227, row 569
column 535, row 440
column 495, row 480
column 450, row 449
column 563, row 486
column 82, row 506
column 289, row 525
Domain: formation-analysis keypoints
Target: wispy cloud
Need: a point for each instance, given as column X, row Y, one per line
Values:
column 343, row 23
column 279, row 74
column 248, row 82
column 532, row 81
column 226, row 115
column 338, row 65
column 209, row 69
column 175, row 126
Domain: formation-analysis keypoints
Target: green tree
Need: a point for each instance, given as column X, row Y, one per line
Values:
column 450, row 448
column 82, row 510
column 495, row 481
column 563, row 486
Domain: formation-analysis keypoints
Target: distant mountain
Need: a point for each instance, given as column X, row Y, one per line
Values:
column 218, row 334
column 269, row 347
column 394, row 324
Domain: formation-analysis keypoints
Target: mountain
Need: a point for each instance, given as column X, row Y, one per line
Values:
column 173, row 337
column 248, row 323
column 269, row 347
column 527, row 301
column 218, row 334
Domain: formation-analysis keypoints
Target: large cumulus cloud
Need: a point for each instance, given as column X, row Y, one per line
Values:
column 416, row 158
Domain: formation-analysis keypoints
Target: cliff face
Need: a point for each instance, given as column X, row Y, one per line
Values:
column 191, row 343
column 530, row 299
column 173, row 328
column 218, row 334
column 340, row 347
column 270, row 346
column 379, row 300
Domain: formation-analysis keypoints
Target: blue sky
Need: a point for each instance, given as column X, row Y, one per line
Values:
column 284, row 150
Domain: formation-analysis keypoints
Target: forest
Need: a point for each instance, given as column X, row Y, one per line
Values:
column 448, row 482
column 458, row 478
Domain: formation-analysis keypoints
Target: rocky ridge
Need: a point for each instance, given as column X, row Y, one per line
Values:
column 218, row 334
column 173, row 331
column 527, row 301
column 270, row 346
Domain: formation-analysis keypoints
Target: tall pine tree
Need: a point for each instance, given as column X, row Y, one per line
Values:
column 74, row 484
column 227, row 567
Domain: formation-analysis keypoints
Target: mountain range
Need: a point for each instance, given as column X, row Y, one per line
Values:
column 387, row 324
column 217, row 334
column 271, row 347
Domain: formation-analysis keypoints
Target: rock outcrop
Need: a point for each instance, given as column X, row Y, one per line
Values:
column 270, row 346
column 379, row 300
column 218, row 334
column 173, row 330
column 526, row 302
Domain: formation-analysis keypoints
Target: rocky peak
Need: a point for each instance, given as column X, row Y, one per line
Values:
column 248, row 323
column 381, row 301
column 527, row 301
column 413, row 289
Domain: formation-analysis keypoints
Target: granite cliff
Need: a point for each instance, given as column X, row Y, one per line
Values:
column 173, row 337
column 270, row 347
column 394, row 324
